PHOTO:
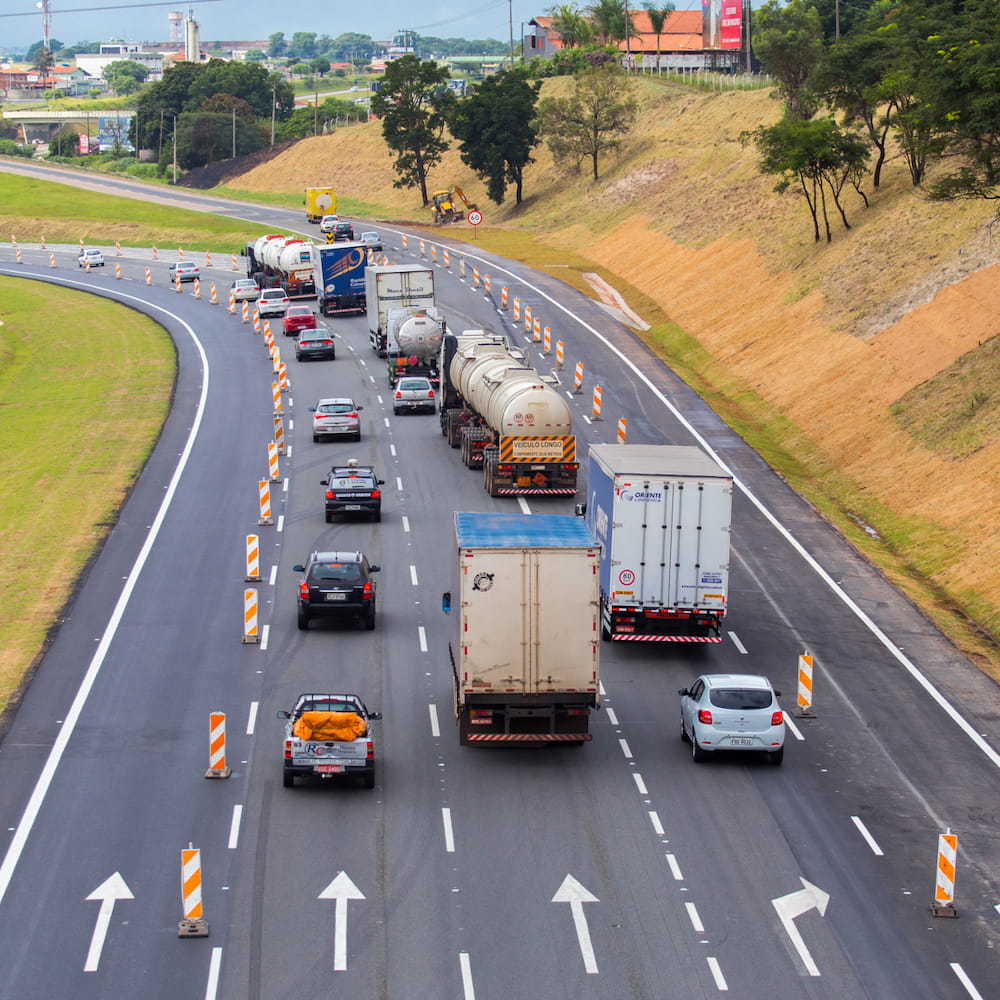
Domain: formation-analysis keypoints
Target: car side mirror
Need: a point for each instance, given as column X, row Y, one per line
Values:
column 312, row 409
column 374, row 716
column 297, row 568
column 683, row 692
column 284, row 715
column 580, row 510
column 446, row 602
column 374, row 569
column 359, row 407
column 777, row 694
column 324, row 482
column 380, row 482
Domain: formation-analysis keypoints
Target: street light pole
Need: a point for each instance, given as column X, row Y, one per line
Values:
column 175, row 149
column 274, row 97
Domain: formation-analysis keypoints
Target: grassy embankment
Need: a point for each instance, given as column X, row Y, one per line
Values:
column 73, row 440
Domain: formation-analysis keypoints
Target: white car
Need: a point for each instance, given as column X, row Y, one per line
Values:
column 327, row 223
column 732, row 712
column 91, row 256
column 273, row 302
column 244, row 290
column 336, row 416
column 371, row 240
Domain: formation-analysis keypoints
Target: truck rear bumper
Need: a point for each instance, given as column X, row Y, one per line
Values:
column 633, row 624
column 528, row 737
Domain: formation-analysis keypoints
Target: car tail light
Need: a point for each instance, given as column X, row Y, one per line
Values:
column 366, row 594
column 370, row 751
column 704, row 716
column 288, row 749
column 399, row 394
column 430, row 394
column 354, row 415
column 304, row 590
column 776, row 718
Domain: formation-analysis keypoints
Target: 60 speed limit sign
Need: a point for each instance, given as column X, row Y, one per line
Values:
column 475, row 217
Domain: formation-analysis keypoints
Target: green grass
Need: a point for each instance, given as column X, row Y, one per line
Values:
column 72, row 442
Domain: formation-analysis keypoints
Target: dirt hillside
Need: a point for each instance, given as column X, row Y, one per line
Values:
column 837, row 338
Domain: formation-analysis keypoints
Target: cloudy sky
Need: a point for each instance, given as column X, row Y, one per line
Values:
column 84, row 20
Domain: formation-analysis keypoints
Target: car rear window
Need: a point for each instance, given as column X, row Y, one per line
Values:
column 414, row 383
column 740, row 699
column 351, row 483
column 335, row 408
column 337, row 572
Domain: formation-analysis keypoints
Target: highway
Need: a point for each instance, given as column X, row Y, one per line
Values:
column 619, row 869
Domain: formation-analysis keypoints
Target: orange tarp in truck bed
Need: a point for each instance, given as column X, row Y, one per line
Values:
column 344, row 726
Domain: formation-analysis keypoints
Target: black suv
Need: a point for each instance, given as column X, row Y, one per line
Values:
column 337, row 585
column 343, row 231
column 353, row 489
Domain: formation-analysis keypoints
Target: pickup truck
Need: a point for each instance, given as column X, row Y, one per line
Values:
column 328, row 735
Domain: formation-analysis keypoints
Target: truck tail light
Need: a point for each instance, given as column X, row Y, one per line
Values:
column 288, row 749
column 776, row 718
column 370, row 751
column 704, row 716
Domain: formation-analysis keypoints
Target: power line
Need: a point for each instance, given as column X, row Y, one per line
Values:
column 112, row 6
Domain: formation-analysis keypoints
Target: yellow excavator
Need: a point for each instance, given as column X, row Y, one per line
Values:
column 446, row 206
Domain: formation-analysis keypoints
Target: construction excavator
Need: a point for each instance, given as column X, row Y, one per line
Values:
column 446, row 206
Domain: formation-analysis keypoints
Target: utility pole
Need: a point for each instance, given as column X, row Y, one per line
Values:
column 274, row 97
column 510, row 21
column 234, row 131
column 175, row 149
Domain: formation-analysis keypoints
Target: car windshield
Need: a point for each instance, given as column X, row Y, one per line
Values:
column 335, row 408
column 741, row 699
column 337, row 572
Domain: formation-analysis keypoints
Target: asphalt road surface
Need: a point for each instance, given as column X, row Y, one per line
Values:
column 620, row 869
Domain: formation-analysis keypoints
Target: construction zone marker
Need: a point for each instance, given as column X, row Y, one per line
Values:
column 404, row 241
column 156, row 253
column 20, row 259
column 276, row 395
column 517, row 310
column 264, row 493
column 595, row 413
column 504, row 293
column 217, row 746
column 253, row 559
column 475, row 277
column 208, row 259
column 272, row 461
column 194, row 923
column 803, row 699
column 213, row 298
column 52, row 260
column 236, row 266
column 536, row 330
column 180, row 254
column 434, row 254
column 250, row 616
column 527, row 319
column 232, row 303
column 279, row 435
column 559, row 354
column 578, row 378
column 149, row 276
column 622, row 429
column 118, row 271
column 446, row 256
column 177, row 284
column 944, row 885
column 197, row 288
column 245, row 318
column 118, row 249
column 547, row 340
column 423, row 248
column 256, row 321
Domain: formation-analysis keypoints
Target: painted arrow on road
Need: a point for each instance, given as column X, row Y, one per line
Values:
column 576, row 895
column 111, row 889
column 809, row 897
column 340, row 889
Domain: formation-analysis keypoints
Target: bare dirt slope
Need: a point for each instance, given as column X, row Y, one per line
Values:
column 831, row 335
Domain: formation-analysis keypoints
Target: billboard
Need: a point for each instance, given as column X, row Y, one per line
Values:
column 113, row 130
column 731, row 24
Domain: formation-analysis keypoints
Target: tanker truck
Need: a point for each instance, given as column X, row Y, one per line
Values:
column 394, row 286
column 282, row 261
column 413, row 342
column 507, row 418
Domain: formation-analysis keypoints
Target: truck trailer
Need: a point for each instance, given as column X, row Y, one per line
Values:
column 394, row 286
column 339, row 277
column 507, row 418
column 277, row 261
column 524, row 628
column 320, row 201
column 413, row 342
column 662, row 514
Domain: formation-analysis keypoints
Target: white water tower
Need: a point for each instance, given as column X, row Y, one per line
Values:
column 176, row 21
column 192, row 39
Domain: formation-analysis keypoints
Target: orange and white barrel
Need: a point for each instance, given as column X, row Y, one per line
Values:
column 13, row 242
column 213, row 297
column 118, row 271
column 486, row 283
column 217, row 767
column 517, row 310
column 527, row 319
column 276, row 396
column 86, row 262
column 149, row 275
column 283, row 377
column 404, row 241
column 578, row 377
column 504, row 293
column 423, row 248
column 559, row 354
column 250, row 633
column 118, row 249
column 197, row 288
column 208, row 259
column 536, row 330
column 547, row 340
column 253, row 559
column 20, row 259
column 267, row 330
column 177, row 283
column 256, row 321
column 595, row 413
column 434, row 253
column 52, row 260
column 264, row 494
column 180, row 254
column 475, row 277
column 622, row 429
column 156, row 253
column 232, row 303
column 245, row 318
column 446, row 256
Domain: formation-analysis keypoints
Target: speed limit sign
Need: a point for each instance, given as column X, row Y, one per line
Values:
column 475, row 217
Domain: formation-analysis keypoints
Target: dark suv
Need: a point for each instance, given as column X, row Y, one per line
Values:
column 353, row 489
column 343, row 231
column 337, row 585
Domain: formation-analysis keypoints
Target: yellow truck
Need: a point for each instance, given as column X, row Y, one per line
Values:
column 320, row 201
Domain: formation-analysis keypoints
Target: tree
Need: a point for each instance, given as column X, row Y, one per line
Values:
column 276, row 45
column 31, row 56
column 602, row 108
column 817, row 155
column 125, row 76
column 657, row 18
column 43, row 61
column 414, row 104
column 303, row 45
column 320, row 66
column 496, row 128
column 254, row 55
column 608, row 18
column 789, row 43
column 205, row 137
column 572, row 26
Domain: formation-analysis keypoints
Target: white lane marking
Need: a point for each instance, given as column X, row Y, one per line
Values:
column 413, row 576
column 234, row 827
column 273, row 575
column 600, row 687
column 586, row 419
column 288, row 451
column 341, row 890
column 422, row 635
column 869, row 839
column 640, row 784
column 965, row 981
column 399, row 484
column 523, row 504
column 675, row 868
column 794, row 728
column 34, row 805
column 392, row 450
column 284, row 485
column 794, row 904
column 612, row 718
column 736, row 642
column 265, row 633
column 625, row 748
column 291, row 424
column 281, row 522
column 406, row 523
column 572, row 892
column 378, row 397
column 108, row 892
column 716, row 970
column 449, row 833
column 654, row 818
column 468, row 990
column 252, row 718
column 214, row 970
column 435, row 728
column 692, row 912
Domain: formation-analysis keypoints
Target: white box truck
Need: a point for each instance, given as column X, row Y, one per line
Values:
column 394, row 286
column 524, row 637
column 662, row 514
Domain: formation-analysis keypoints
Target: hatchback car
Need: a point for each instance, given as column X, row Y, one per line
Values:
column 298, row 318
column 371, row 240
column 413, row 392
column 353, row 489
column 273, row 302
column 732, row 712
column 327, row 223
column 337, row 585
column 315, row 345
column 91, row 257
column 343, row 231
column 336, row 416
column 185, row 270
column 245, row 290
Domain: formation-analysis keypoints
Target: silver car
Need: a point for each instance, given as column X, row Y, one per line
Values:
column 327, row 223
column 413, row 392
column 91, row 257
column 732, row 712
column 336, row 417
column 244, row 290
column 273, row 302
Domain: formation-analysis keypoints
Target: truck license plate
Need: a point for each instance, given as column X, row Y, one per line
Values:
column 335, row 597
column 329, row 768
column 741, row 741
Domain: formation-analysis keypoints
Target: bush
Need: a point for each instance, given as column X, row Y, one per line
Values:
column 10, row 148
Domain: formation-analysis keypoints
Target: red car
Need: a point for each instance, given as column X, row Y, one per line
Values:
column 298, row 318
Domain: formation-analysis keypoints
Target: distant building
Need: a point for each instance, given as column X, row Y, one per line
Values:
column 95, row 63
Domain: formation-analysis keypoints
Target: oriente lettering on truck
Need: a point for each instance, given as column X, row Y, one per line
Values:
column 641, row 496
